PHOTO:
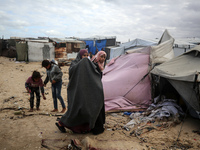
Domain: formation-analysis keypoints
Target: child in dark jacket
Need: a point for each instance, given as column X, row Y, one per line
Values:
column 33, row 85
column 54, row 75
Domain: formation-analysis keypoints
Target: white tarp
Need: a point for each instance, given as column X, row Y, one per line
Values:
column 134, row 44
column 183, row 67
column 164, row 50
column 40, row 51
column 116, row 51
column 137, row 43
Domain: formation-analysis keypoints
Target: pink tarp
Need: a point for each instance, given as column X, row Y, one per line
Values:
column 123, row 87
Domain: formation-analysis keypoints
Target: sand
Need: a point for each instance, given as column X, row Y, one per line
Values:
column 20, row 129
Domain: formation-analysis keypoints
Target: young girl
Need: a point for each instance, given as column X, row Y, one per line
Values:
column 32, row 86
column 81, row 54
column 100, row 58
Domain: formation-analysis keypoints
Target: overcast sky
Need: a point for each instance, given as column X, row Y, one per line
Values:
column 125, row 19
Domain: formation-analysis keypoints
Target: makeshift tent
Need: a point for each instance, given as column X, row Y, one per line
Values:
column 182, row 73
column 98, row 42
column 134, row 44
column 164, row 50
column 126, row 84
column 181, row 46
column 137, row 43
column 125, row 79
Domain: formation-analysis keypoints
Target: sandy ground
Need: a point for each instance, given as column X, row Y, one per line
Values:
column 20, row 129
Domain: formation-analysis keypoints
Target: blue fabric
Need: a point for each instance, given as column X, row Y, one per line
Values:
column 56, row 93
column 98, row 44
column 101, row 44
column 91, row 46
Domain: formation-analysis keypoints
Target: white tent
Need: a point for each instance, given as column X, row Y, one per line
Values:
column 134, row 44
column 181, row 46
column 164, row 50
column 182, row 73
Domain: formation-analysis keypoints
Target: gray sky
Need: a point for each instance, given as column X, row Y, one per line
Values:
column 125, row 19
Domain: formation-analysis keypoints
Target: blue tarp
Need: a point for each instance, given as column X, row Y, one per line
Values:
column 93, row 45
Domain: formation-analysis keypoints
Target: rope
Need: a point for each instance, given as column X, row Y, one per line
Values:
column 195, row 80
column 137, row 82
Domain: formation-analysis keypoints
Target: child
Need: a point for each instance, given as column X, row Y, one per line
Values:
column 32, row 86
column 100, row 58
column 54, row 75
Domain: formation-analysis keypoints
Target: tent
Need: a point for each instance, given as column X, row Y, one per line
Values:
column 134, row 44
column 98, row 42
column 126, row 80
column 125, row 85
column 181, row 46
column 182, row 73
column 163, row 51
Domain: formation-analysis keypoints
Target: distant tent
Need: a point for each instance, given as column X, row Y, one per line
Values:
column 134, row 44
column 182, row 73
column 98, row 42
column 181, row 46
column 93, row 45
column 137, row 43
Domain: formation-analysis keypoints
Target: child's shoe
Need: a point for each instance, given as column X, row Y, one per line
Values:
column 55, row 110
column 63, row 110
column 31, row 110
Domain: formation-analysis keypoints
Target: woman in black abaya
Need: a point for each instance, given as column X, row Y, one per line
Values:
column 85, row 95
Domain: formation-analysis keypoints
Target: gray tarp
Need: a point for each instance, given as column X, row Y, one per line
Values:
column 183, row 67
column 181, row 72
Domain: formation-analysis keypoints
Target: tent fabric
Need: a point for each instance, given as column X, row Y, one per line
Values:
column 164, row 50
column 137, row 43
column 123, row 87
column 101, row 44
column 145, row 50
column 134, row 44
column 91, row 46
column 116, row 51
column 95, row 44
column 181, row 72
column 185, row 89
column 183, row 67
